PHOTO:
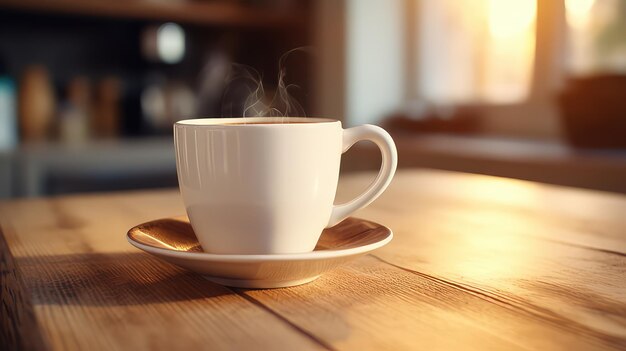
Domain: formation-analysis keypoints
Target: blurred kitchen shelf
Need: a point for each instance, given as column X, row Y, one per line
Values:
column 203, row 12
column 52, row 168
column 541, row 161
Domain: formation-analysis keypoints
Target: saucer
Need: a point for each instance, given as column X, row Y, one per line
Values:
column 173, row 240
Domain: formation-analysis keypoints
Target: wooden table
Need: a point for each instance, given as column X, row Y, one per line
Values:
column 477, row 263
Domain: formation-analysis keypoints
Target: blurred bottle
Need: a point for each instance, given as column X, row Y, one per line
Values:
column 212, row 85
column 36, row 103
column 106, row 121
column 76, row 112
column 165, row 102
column 181, row 102
column 153, row 104
column 8, row 117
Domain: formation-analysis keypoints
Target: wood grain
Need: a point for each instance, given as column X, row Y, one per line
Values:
column 477, row 263
column 91, row 290
column 555, row 253
column 383, row 307
column 18, row 326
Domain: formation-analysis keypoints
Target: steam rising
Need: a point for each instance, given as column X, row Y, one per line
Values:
column 257, row 102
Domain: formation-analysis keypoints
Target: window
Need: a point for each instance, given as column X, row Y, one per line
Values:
column 507, row 58
column 597, row 33
column 475, row 50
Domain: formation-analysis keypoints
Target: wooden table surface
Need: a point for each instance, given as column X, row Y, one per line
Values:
column 477, row 263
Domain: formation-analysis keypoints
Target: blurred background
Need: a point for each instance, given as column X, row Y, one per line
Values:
column 528, row 89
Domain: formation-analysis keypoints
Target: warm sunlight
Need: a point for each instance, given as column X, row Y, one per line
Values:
column 578, row 11
column 511, row 18
column 511, row 49
column 580, row 44
column 596, row 36
column 480, row 52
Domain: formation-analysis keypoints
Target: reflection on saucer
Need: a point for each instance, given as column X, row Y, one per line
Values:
column 173, row 240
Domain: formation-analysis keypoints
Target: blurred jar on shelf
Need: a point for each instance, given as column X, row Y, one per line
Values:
column 76, row 112
column 107, row 114
column 165, row 102
column 36, row 104
column 8, row 115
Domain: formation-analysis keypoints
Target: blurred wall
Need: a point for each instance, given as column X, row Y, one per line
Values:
column 375, row 60
column 329, row 41
column 361, row 67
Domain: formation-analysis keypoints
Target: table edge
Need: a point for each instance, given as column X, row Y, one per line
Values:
column 19, row 329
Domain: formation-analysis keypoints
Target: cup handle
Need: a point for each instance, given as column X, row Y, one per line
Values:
column 383, row 140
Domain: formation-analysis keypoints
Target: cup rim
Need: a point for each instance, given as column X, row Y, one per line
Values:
column 236, row 122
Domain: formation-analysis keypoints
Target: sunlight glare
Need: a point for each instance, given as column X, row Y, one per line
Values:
column 510, row 50
column 578, row 11
column 511, row 17
column 477, row 50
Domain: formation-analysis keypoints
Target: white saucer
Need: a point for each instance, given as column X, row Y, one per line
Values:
column 173, row 240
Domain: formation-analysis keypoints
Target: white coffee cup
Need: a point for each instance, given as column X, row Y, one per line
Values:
column 268, row 186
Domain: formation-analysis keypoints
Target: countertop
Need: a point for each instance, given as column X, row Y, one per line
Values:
column 476, row 263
